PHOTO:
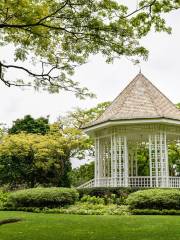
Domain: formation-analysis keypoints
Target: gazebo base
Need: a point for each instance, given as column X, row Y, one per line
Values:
column 140, row 181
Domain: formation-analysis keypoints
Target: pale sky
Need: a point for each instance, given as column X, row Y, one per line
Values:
column 106, row 81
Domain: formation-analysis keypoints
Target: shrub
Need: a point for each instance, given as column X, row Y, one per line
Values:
column 42, row 197
column 107, row 191
column 115, row 195
column 3, row 198
column 155, row 199
column 155, row 212
column 80, row 209
column 92, row 200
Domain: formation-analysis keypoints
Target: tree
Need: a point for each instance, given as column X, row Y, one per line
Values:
column 82, row 174
column 30, row 125
column 58, row 36
column 80, row 117
column 178, row 105
column 32, row 159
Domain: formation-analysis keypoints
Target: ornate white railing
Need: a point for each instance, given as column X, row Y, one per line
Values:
column 174, row 182
column 140, row 181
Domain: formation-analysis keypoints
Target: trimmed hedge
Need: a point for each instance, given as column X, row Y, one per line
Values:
column 155, row 199
column 155, row 212
column 42, row 197
column 105, row 191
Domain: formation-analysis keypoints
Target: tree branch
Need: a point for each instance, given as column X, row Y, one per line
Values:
column 139, row 9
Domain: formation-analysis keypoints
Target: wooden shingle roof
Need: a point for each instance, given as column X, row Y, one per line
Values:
column 139, row 100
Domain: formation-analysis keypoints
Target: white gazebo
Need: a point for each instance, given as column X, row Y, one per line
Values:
column 140, row 116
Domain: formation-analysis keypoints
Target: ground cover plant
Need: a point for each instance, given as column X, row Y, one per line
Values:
column 80, row 209
column 74, row 227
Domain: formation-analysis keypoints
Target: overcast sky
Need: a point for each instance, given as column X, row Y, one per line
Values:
column 162, row 68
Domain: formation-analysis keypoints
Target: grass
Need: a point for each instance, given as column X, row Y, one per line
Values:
column 38, row 226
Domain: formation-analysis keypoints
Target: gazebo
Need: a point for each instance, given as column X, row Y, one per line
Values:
column 140, row 116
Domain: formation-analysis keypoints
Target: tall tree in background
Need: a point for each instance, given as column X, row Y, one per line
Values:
column 82, row 174
column 31, row 159
column 52, row 38
column 80, row 117
column 30, row 125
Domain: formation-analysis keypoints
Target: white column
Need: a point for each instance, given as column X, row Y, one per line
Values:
column 156, row 161
column 120, row 171
column 166, row 161
column 125, row 163
column 150, row 160
column 113, row 160
column 97, row 161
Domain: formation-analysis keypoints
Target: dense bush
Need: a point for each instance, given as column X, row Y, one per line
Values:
column 42, row 197
column 155, row 199
column 106, row 200
column 92, row 200
column 105, row 191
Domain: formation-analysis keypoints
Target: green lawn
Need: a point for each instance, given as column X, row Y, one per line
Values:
column 37, row 226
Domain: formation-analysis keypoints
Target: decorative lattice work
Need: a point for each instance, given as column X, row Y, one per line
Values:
column 119, row 164
column 158, row 158
column 103, row 157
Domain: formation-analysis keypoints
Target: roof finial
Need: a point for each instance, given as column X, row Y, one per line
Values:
column 139, row 69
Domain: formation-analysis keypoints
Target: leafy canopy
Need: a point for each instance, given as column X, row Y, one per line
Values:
column 82, row 174
column 80, row 117
column 59, row 35
column 30, row 125
column 32, row 159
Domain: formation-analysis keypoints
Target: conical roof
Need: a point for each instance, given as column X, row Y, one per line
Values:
column 139, row 100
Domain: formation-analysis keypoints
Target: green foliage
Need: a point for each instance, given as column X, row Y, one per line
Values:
column 3, row 198
column 33, row 159
column 57, row 36
column 80, row 117
column 79, row 209
column 178, row 105
column 30, row 125
column 173, row 159
column 92, row 200
column 155, row 199
column 107, row 191
column 143, row 160
column 42, row 197
column 106, row 199
column 82, row 174
column 91, row 209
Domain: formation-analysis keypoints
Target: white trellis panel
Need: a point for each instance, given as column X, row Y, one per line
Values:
column 119, row 161
column 158, row 160
column 103, row 159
